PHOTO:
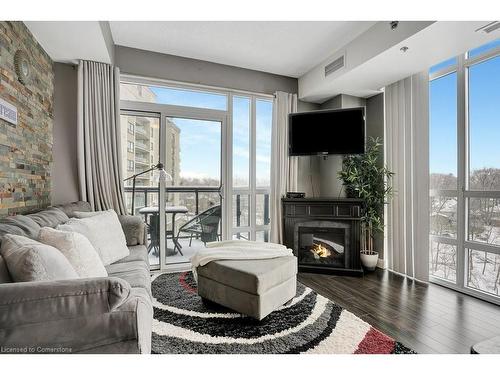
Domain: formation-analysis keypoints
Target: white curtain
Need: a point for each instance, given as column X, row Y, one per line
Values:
column 407, row 155
column 99, row 151
column 284, row 168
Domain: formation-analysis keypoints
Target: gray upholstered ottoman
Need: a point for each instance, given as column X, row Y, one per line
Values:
column 252, row 287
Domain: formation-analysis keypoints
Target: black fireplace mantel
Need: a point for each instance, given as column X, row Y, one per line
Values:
column 298, row 212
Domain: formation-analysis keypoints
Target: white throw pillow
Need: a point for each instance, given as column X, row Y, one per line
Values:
column 104, row 232
column 30, row 260
column 85, row 214
column 77, row 249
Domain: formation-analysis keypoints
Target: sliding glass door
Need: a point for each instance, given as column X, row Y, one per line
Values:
column 215, row 146
column 193, row 160
column 465, row 172
column 185, row 131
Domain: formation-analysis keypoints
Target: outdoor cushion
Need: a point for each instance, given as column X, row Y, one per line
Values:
column 51, row 217
column 254, row 276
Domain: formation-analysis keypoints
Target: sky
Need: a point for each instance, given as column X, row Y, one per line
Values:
column 484, row 115
column 200, row 141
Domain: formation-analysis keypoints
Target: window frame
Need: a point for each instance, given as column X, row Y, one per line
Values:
column 463, row 192
column 252, row 191
column 224, row 116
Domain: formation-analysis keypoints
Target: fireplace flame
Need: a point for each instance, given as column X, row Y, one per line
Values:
column 321, row 250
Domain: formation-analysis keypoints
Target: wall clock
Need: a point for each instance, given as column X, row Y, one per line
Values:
column 22, row 66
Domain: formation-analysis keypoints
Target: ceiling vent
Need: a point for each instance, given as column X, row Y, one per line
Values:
column 490, row 27
column 334, row 66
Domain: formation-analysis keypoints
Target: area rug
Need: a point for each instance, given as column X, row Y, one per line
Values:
column 310, row 323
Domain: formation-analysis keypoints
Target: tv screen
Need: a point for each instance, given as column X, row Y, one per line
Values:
column 339, row 131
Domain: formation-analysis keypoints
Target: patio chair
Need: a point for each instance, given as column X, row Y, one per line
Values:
column 205, row 225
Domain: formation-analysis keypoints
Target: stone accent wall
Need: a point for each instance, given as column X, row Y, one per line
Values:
column 25, row 148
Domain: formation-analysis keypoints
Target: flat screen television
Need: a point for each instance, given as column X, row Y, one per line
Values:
column 340, row 131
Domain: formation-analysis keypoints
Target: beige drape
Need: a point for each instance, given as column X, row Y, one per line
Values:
column 99, row 151
column 407, row 155
column 284, row 168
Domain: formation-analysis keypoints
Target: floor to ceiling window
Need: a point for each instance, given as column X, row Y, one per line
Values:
column 252, row 121
column 198, row 134
column 465, row 172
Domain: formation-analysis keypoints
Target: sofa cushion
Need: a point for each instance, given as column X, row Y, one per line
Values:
column 138, row 252
column 28, row 226
column 134, row 229
column 51, row 217
column 30, row 260
column 135, row 272
column 77, row 249
column 104, row 232
column 4, row 272
column 254, row 276
column 9, row 229
column 70, row 208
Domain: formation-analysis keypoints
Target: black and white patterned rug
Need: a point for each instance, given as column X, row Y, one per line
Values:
column 309, row 324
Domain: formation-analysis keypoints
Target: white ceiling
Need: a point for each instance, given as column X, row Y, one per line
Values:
column 296, row 49
column 433, row 44
column 286, row 48
column 70, row 41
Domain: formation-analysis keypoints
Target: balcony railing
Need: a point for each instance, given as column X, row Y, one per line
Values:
column 143, row 146
column 148, row 195
column 142, row 160
column 202, row 197
column 142, row 131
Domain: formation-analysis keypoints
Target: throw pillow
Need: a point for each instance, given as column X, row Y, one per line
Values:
column 30, row 260
column 77, row 249
column 50, row 217
column 85, row 214
column 104, row 233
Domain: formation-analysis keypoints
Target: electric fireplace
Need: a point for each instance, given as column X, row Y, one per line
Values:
column 324, row 243
column 324, row 234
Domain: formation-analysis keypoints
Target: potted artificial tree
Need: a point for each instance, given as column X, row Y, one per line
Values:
column 363, row 177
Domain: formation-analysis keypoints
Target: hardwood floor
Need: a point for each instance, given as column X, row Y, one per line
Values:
column 426, row 318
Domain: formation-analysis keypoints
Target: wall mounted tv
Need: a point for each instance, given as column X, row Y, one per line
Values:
column 340, row 131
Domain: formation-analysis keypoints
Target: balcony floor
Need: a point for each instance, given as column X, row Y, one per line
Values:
column 176, row 258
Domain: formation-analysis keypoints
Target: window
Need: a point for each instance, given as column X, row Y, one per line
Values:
column 264, row 121
column 444, row 65
column 214, row 143
column 173, row 96
column 484, row 125
column 252, row 124
column 484, row 48
column 465, row 172
column 241, row 142
column 130, row 126
column 130, row 165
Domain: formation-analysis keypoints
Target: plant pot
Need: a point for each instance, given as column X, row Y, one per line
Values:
column 369, row 260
